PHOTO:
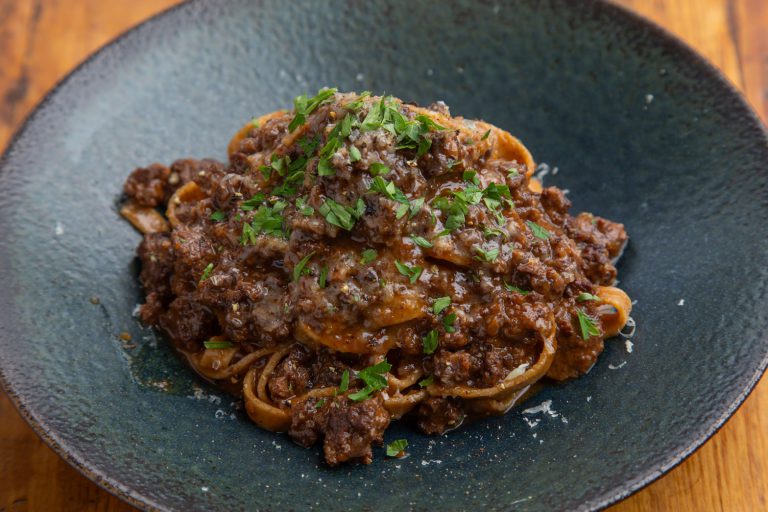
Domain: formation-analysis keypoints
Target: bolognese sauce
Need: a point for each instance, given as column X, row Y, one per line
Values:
column 359, row 259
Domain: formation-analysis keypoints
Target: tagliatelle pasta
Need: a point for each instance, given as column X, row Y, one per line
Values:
column 361, row 260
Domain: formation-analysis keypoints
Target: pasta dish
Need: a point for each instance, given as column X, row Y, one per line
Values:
column 359, row 260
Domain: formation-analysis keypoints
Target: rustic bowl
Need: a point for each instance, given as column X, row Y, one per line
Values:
column 641, row 129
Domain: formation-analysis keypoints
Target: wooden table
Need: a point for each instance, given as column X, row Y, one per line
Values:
column 41, row 40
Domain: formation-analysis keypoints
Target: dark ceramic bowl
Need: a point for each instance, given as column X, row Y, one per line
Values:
column 641, row 129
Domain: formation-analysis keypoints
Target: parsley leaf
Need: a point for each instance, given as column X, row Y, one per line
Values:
column 440, row 304
column 428, row 123
column 395, row 448
column 217, row 344
column 354, row 154
column 368, row 256
column 538, row 231
column 448, row 321
column 206, row 273
column 218, row 216
column 253, row 202
column 486, row 134
column 378, row 169
column 340, row 215
column 267, row 219
column 303, row 207
column 415, row 206
column 323, row 279
column 512, row 288
column 324, row 167
column 344, row 385
column 588, row 326
column 412, row 273
column 319, row 404
column 583, row 297
column 421, row 241
column 430, row 342
column 305, row 106
column 426, row 382
column 470, row 176
column 489, row 255
column 388, row 190
column 298, row 270
column 374, row 379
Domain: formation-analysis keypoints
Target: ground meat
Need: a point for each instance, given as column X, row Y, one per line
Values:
column 349, row 428
column 156, row 253
column 188, row 322
column 600, row 241
column 372, row 234
column 148, row 185
column 438, row 415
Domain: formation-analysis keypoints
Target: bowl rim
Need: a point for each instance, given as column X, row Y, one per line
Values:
column 599, row 502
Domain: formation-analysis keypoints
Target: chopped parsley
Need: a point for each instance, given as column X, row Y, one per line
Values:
column 421, row 241
column 440, row 304
column 470, row 176
column 448, row 321
column 253, row 202
column 308, row 146
column 583, row 297
column 588, row 326
column 494, row 194
column 305, row 106
column 410, row 134
column 489, row 232
column 538, row 231
column 206, row 273
column 299, row 269
column 368, row 256
column 429, row 342
column 324, row 167
column 486, row 134
column 512, row 288
column 415, row 206
column 374, row 379
column 217, row 344
column 395, row 448
column 412, row 273
column 218, row 216
column 323, row 279
column 512, row 172
column 267, row 219
column 354, row 154
column 426, row 382
column 319, row 404
column 303, row 207
column 490, row 255
column 355, row 105
column 344, row 385
column 455, row 211
column 340, row 215
column 388, row 190
column 378, row 169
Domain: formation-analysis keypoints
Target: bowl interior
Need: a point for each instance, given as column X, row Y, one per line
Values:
column 636, row 127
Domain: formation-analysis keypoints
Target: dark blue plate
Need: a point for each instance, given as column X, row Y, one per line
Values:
column 642, row 131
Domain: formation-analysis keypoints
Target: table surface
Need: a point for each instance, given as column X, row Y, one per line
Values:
column 42, row 40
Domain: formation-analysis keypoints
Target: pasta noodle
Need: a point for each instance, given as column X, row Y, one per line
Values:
column 360, row 260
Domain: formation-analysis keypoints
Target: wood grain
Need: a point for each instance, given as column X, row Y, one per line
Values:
column 41, row 40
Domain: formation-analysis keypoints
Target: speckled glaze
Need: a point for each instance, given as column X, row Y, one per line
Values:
column 642, row 131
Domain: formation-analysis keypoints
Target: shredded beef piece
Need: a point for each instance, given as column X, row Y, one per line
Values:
column 438, row 415
column 147, row 185
column 349, row 428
